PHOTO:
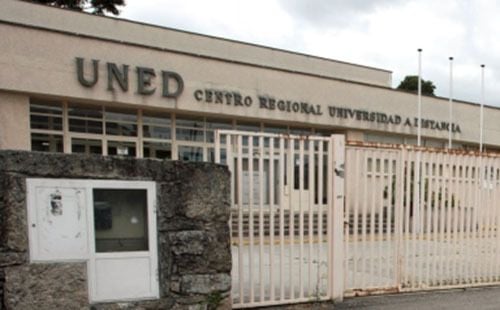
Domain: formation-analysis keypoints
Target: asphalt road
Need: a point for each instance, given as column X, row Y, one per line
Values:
column 487, row 298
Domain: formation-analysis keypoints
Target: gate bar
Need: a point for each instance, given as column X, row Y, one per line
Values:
column 337, row 186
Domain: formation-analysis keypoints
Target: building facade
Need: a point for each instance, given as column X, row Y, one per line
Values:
column 77, row 83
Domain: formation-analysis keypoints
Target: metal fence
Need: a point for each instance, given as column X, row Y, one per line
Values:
column 420, row 219
column 411, row 218
column 282, row 190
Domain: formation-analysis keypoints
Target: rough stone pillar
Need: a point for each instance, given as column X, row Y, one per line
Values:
column 192, row 225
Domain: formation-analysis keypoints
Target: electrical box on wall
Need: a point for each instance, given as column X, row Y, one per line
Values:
column 110, row 224
column 57, row 219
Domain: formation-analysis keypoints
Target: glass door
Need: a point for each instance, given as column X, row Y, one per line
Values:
column 123, row 264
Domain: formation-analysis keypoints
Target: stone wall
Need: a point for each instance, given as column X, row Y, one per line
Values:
column 193, row 232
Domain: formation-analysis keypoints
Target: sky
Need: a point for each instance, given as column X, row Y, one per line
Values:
column 378, row 33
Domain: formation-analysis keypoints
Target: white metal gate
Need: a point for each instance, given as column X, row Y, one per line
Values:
column 287, row 216
column 420, row 219
column 413, row 218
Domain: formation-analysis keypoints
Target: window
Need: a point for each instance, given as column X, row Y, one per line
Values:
column 157, row 133
column 160, row 150
column 121, row 122
column 120, row 220
column 300, row 131
column 190, row 129
column 46, row 122
column 96, row 129
column 47, row 143
column 271, row 128
column 86, row 146
column 46, row 115
column 87, row 119
column 158, row 126
column 196, row 135
column 213, row 124
column 190, row 153
column 122, row 148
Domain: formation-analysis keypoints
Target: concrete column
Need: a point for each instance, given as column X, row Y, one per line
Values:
column 14, row 122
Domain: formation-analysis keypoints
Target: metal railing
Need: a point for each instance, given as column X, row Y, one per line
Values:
column 445, row 213
column 282, row 217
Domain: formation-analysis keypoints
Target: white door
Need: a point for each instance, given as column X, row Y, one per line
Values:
column 123, row 264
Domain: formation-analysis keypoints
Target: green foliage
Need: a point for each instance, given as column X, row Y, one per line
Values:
column 410, row 83
column 214, row 300
column 98, row 7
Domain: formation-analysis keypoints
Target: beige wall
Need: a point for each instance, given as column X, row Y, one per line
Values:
column 185, row 42
column 14, row 122
column 42, row 62
column 354, row 135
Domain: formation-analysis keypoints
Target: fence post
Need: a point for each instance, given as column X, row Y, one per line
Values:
column 337, row 246
column 399, row 215
column 217, row 147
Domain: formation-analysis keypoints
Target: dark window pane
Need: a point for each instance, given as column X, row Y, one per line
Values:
column 121, row 148
column 120, row 220
column 193, row 122
column 86, row 146
column 46, row 143
column 129, row 116
column 190, row 153
column 219, row 124
column 87, row 126
column 121, row 123
column 223, row 155
column 189, row 135
column 45, row 122
column 45, row 107
column 211, row 137
column 255, row 127
column 158, row 150
column 157, row 132
column 300, row 131
column 164, row 120
column 85, row 111
column 275, row 129
column 121, row 129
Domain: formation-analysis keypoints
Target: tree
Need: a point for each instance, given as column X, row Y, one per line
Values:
column 410, row 83
column 98, row 7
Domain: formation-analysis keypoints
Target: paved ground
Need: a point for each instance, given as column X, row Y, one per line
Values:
column 487, row 298
column 370, row 264
column 473, row 298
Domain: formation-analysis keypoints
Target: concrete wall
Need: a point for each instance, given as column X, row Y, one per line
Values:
column 14, row 121
column 193, row 233
column 186, row 42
